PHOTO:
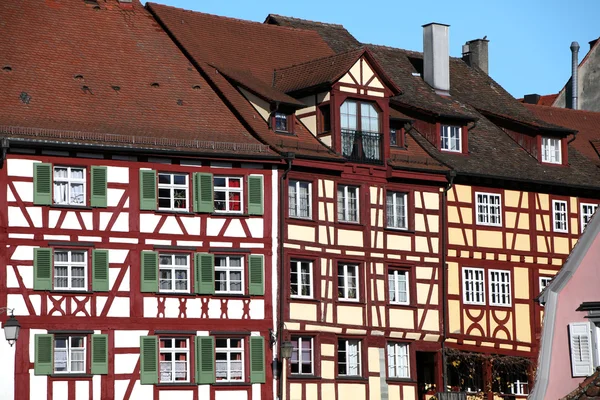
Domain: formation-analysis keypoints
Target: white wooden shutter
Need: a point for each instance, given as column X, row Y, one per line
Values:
column 581, row 349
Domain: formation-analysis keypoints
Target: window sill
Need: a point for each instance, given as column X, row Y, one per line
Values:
column 175, row 212
column 73, row 292
column 350, row 223
column 304, row 299
column 175, row 294
column 400, row 305
column 301, row 219
column 231, row 214
column 400, row 380
column 358, row 379
column 304, row 377
column 74, row 207
column 285, row 133
column 399, row 230
column 175, row 384
column 70, row 376
column 232, row 383
column 236, row 295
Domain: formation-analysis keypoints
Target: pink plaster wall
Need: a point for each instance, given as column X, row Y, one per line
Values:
column 583, row 286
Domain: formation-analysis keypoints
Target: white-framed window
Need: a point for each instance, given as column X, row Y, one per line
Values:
column 173, row 191
column 349, row 357
column 70, row 269
column 551, row 150
column 229, row 193
column 587, row 211
column 174, row 271
column 229, row 274
column 302, row 279
column 299, row 199
column 69, row 185
column 473, row 286
column 229, row 359
column 489, row 209
column 398, row 360
column 303, row 357
column 347, row 203
column 500, row 293
column 519, row 388
column 69, row 354
column 398, row 286
column 348, row 282
column 559, row 215
column 174, row 360
column 281, row 122
column 451, row 138
column 544, row 281
column 397, row 210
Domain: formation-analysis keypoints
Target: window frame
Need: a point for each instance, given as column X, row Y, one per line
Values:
column 228, row 351
column 346, row 188
column 551, row 148
column 299, row 339
column 481, row 283
column 446, row 128
column 69, row 264
column 488, row 205
column 228, row 190
column 359, row 364
column 491, row 291
column 565, row 214
column 582, row 215
column 396, row 356
column 548, row 279
column 346, row 267
column 173, row 351
column 298, row 263
column 228, row 269
column 395, row 271
column 69, row 181
column 68, row 361
column 289, row 127
column 397, row 126
column 395, row 194
column 297, row 183
column 173, row 267
column 171, row 186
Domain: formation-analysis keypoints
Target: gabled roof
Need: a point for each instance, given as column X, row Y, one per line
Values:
column 543, row 100
column 586, row 123
column 104, row 74
column 325, row 71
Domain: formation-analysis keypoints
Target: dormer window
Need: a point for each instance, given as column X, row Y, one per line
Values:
column 282, row 122
column 451, row 138
column 396, row 131
column 360, row 129
column 551, row 150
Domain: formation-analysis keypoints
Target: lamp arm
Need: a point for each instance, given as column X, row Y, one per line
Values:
column 6, row 310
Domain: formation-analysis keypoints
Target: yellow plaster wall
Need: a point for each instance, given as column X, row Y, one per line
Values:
column 326, row 139
column 312, row 390
column 327, row 350
column 422, row 292
column 302, row 311
column 351, row 315
column 544, row 201
column 463, row 193
column 376, row 218
column 431, row 321
column 310, row 121
column 561, row 245
column 467, row 215
column 510, row 219
column 522, row 243
column 375, row 191
column 367, row 72
column 393, row 392
column 468, row 321
column 423, row 272
column 374, row 388
column 303, row 233
column 521, row 279
column 295, row 391
column 522, row 323
column 328, row 391
column 432, row 201
column 434, row 223
column 403, row 319
column 261, row 106
column 327, row 369
column 354, row 391
column 511, row 198
column 373, row 358
column 453, row 278
column 350, row 238
column 454, row 316
column 491, row 239
column 409, row 393
column 355, row 70
column 453, row 215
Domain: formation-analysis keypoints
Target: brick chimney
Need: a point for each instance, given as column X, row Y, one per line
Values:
column 475, row 54
column 436, row 61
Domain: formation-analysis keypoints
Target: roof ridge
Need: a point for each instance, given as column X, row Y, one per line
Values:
column 338, row 26
column 563, row 109
column 404, row 50
column 362, row 49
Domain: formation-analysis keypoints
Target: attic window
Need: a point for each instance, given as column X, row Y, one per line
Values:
column 282, row 122
column 551, row 150
column 396, row 134
column 451, row 138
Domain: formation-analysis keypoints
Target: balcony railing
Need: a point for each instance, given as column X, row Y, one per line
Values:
column 362, row 147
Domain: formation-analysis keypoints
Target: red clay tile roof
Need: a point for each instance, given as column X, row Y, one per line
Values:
column 589, row 389
column 587, row 123
column 544, row 100
column 105, row 74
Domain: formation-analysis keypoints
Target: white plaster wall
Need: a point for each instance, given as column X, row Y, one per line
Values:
column 24, row 190
column 128, row 338
column 20, row 167
column 119, row 307
column 113, row 196
column 16, row 217
column 38, row 385
column 256, row 225
column 171, row 227
column 148, row 222
column 214, row 225
column 82, row 390
column 7, row 369
column 235, row 229
column 117, row 174
column 175, row 395
column 231, row 395
column 125, row 363
column 257, row 309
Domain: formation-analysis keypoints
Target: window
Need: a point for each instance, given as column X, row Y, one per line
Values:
column 172, row 192
column 473, row 286
column 349, row 357
column 396, row 133
column 544, row 281
column 228, row 194
column 174, row 354
column 560, row 215
column 174, row 272
column 451, row 138
column 69, row 186
column 282, row 122
column 551, row 150
column 587, row 211
column 325, row 118
column 361, row 139
column 348, row 282
column 347, row 203
column 229, row 274
column 299, row 199
column 398, row 360
column 69, row 354
column 302, row 361
column 398, row 287
column 499, row 288
column 70, row 270
column 302, row 279
column 396, row 206
column 488, row 209
column 230, row 359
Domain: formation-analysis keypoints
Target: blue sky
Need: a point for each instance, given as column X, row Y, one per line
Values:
column 529, row 39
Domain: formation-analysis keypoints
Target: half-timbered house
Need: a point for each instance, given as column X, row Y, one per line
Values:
column 136, row 219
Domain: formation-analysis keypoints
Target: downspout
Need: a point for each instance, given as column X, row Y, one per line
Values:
column 573, row 138
column 451, row 175
column 289, row 157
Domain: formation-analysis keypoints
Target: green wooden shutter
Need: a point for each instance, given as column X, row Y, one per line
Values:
column 149, row 262
column 256, row 274
column 44, row 345
column 203, row 193
column 205, row 273
column 257, row 359
column 99, row 354
column 42, row 184
column 205, row 360
column 98, row 189
column 148, row 360
column 255, row 195
column 42, row 269
column 147, row 189
column 100, row 270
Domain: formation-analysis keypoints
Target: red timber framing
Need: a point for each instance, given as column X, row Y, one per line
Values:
column 124, row 313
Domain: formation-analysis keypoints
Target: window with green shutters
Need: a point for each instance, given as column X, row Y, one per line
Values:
column 42, row 269
column 67, row 185
column 98, row 187
column 99, row 354
column 44, row 345
column 100, row 270
column 148, row 360
column 204, row 273
column 257, row 359
column 149, row 271
column 203, row 193
column 256, row 275
column 147, row 189
column 67, row 354
column 42, row 184
column 205, row 360
column 255, row 195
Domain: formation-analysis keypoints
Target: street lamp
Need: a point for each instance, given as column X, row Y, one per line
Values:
column 11, row 326
column 286, row 350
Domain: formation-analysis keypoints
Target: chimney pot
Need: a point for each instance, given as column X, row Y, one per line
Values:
column 477, row 54
column 531, row 98
column 436, row 57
